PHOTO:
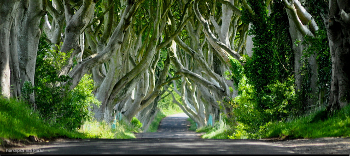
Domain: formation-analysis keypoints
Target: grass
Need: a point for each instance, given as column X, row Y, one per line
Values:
column 335, row 126
column 218, row 131
column 301, row 127
column 193, row 126
column 18, row 121
column 122, row 130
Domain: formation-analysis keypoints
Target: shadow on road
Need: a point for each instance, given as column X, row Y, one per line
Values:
column 173, row 126
column 173, row 137
column 162, row 146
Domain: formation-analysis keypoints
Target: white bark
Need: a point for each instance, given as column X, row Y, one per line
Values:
column 297, row 16
column 301, row 18
column 249, row 44
column 7, row 10
column 113, row 45
column 14, row 64
column 223, row 50
column 75, row 25
column 298, row 38
column 28, row 34
column 53, row 29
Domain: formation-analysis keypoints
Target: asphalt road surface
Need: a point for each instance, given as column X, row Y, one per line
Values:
column 172, row 137
column 173, row 126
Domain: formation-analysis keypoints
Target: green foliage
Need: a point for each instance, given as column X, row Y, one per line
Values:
column 220, row 130
column 55, row 102
column 280, row 100
column 155, row 123
column 266, row 93
column 335, row 126
column 240, row 132
column 18, row 121
column 271, row 42
column 319, row 45
column 54, row 57
column 166, row 103
column 122, row 130
column 265, row 85
column 136, row 123
column 237, row 71
column 193, row 126
column 244, row 107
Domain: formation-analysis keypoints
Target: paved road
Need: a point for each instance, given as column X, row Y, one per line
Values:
column 173, row 126
column 173, row 137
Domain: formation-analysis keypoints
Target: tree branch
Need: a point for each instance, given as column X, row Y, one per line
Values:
column 220, row 47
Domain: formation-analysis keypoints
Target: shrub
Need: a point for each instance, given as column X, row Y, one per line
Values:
column 55, row 102
column 18, row 121
column 136, row 123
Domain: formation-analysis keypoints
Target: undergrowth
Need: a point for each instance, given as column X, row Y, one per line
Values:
column 219, row 130
column 19, row 121
column 306, row 126
column 336, row 126
column 121, row 130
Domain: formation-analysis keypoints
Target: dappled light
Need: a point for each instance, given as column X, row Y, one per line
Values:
column 174, row 69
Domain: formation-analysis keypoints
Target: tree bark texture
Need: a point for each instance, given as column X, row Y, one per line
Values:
column 28, row 34
column 7, row 10
column 339, row 41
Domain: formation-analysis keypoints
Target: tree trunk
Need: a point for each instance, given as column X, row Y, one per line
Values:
column 14, row 64
column 298, row 48
column 7, row 8
column 75, row 26
column 147, row 115
column 28, row 20
column 339, row 42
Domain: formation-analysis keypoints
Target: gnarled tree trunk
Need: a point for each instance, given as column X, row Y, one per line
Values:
column 339, row 41
column 7, row 10
column 28, row 20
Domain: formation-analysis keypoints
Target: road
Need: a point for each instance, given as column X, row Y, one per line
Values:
column 173, row 137
column 173, row 126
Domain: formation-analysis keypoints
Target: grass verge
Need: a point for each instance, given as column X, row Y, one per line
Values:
column 121, row 130
column 193, row 126
column 336, row 126
column 308, row 126
column 18, row 122
column 218, row 131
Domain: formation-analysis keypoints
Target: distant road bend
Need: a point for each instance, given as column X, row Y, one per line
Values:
column 173, row 137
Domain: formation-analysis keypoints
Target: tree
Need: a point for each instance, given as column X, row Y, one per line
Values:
column 137, row 49
column 337, row 24
column 7, row 16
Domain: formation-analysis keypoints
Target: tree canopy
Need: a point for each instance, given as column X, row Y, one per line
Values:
column 253, row 61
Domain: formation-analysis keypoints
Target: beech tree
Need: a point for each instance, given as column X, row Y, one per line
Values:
column 337, row 24
column 138, row 50
column 302, row 24
column 7, row 17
